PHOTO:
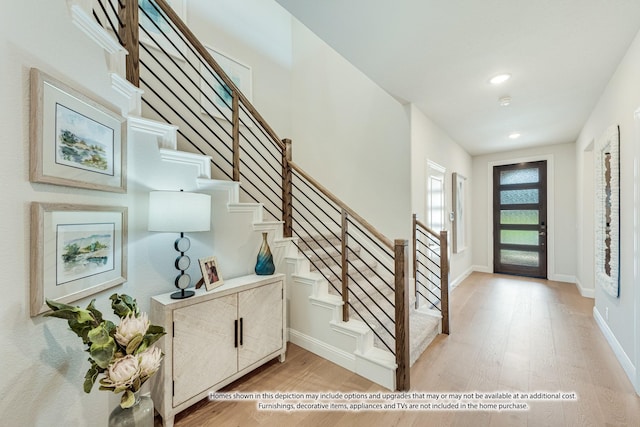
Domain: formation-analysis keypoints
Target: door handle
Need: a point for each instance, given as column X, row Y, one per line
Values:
column 235, row 333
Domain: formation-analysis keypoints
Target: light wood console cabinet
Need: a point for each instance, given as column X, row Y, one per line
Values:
column 214, row 338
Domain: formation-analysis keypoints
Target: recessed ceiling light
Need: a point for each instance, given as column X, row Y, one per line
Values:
column 499, row 79
column 514, row 135
column 504, row 101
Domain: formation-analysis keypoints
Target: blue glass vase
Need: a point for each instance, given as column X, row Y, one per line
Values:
column 264, row 264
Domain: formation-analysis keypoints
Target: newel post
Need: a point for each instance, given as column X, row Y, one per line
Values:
column 402, row 314
column 444, row 281
column 286, row 189
column 128, row 14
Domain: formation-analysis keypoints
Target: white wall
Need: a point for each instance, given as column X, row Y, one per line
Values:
column 617, row 105
column 43, row 363
column 256, row 33
column 429, row 142
column 561, row 262
column 350, row 135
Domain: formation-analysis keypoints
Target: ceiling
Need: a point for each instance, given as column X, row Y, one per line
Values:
column 440, row 55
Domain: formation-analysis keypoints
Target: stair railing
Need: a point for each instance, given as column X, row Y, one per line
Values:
column 431, row 270
column 185, row 86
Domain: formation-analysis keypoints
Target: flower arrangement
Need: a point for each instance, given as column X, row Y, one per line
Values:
column 123, row 353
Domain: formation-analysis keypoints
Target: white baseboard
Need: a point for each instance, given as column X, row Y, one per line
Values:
column 566, row 278
column 322, row 349
column 482, row 269
column 460, row 278
column 585, row 292
column 622, row 357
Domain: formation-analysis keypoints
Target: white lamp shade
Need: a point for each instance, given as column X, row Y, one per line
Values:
column 179, row 211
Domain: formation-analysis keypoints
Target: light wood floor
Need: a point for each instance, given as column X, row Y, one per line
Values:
column 507, row 334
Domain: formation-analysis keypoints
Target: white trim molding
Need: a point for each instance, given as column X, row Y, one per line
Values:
column 585, row 292
column 636, row 248
column 622, row 357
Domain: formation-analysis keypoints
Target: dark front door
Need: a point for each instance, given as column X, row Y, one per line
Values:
column 520, row 219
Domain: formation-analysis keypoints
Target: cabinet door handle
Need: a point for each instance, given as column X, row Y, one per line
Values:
column 235, row 333
column 241, row 334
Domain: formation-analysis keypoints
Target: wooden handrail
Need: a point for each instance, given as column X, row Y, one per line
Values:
column 199, row 47
column 128, row 14
column 429, row 230
column 370, row 228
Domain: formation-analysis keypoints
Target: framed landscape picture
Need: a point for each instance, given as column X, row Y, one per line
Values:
column 75, row 141
column 216, row 95
column 159, row 32
column 76, row 251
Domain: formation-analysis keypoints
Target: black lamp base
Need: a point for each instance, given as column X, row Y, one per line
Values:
column 182, row 294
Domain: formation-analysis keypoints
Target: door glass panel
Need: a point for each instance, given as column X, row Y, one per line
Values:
column 528, row 217
column 523, row 258
column 519, row 237
column 519, row 197
column 436, row 204
column 519, row 176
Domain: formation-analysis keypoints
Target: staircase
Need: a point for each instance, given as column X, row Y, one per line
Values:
column 348, row 285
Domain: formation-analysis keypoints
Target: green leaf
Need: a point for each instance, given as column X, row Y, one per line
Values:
column 134, row 343
column 137, row 383
column 154, row 333
column 99, row 335
column 93, row 310
column 80, row 321
column 69, row 312
column 81, row 330
column 103, row 354
column 110, row 327
column 123, row 304
column 91, row 376
column 127, row 400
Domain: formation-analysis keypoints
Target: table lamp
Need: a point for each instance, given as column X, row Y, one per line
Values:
column 180, row 212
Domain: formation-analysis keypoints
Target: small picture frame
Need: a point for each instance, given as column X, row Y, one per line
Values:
column 76, row 251
column 210, row 273
column 75, row 141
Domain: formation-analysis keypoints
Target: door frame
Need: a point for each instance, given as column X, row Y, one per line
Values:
column 636, row 255
column 541, row 270
column 551, row 266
